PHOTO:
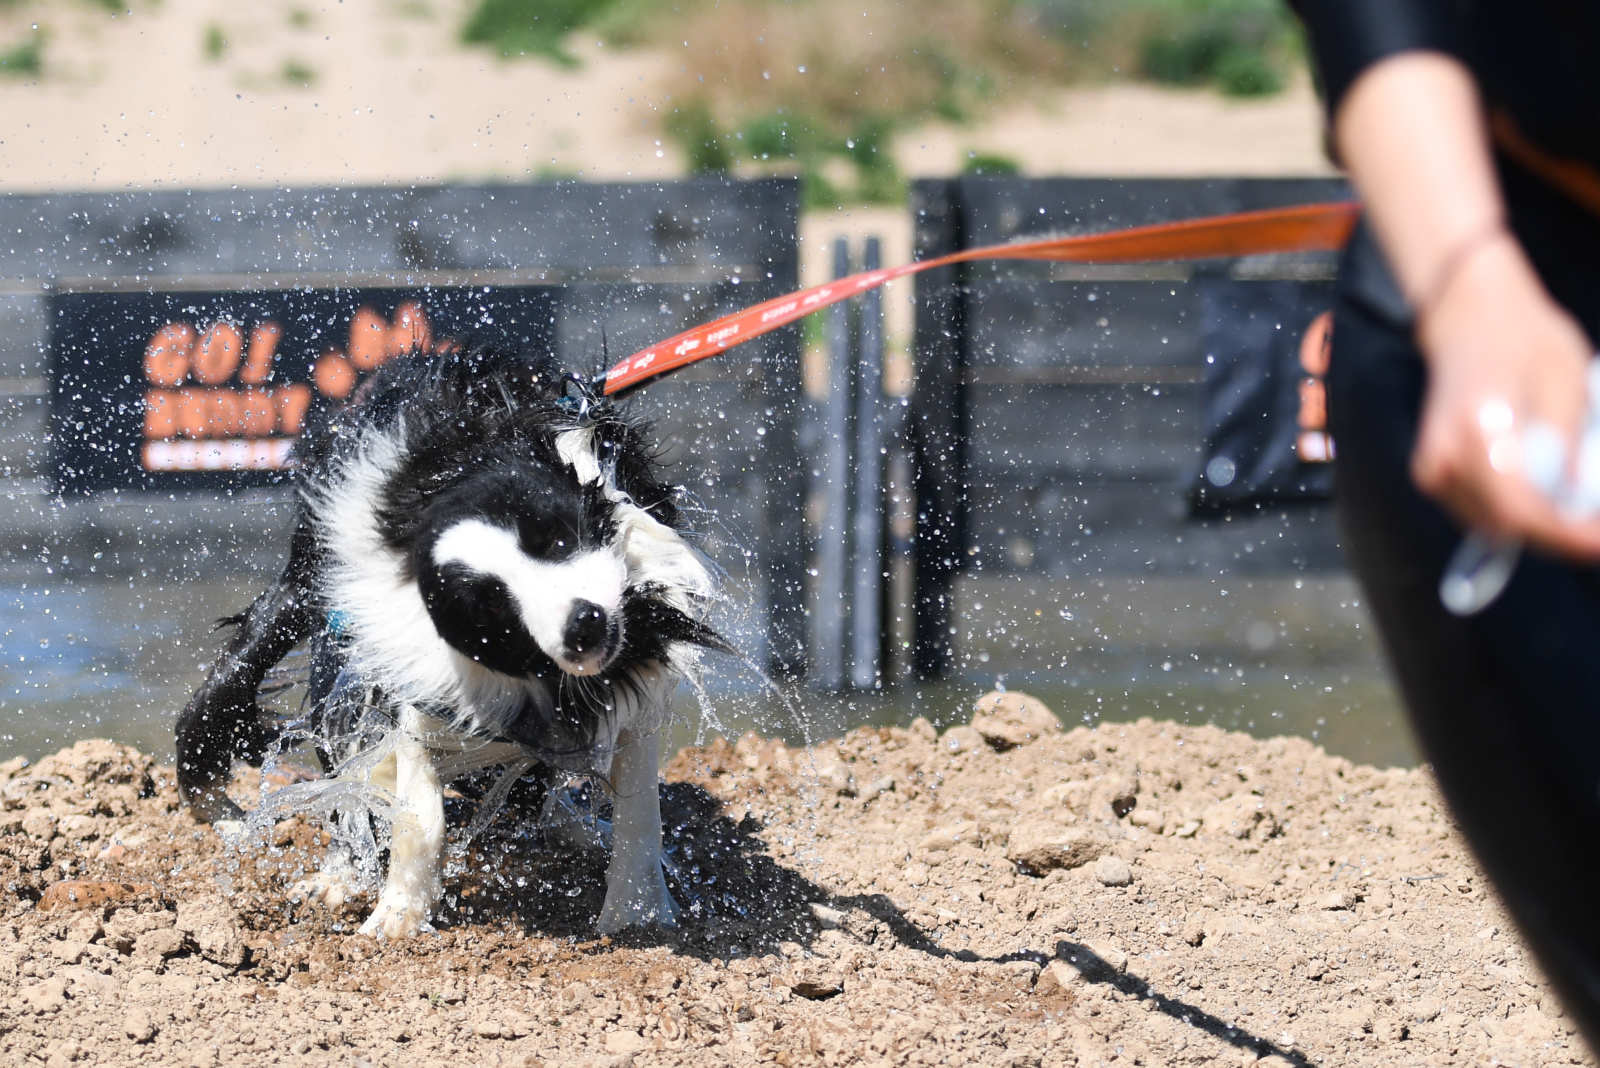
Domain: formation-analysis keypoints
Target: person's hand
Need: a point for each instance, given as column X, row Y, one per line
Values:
column 1502, row 356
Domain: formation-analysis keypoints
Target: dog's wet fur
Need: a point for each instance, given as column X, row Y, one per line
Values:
column 491, row 549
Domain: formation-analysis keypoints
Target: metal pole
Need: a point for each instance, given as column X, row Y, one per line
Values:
column 869, row 574
column 830, row 636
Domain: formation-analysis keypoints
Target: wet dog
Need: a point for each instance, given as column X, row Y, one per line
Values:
column 490, row 549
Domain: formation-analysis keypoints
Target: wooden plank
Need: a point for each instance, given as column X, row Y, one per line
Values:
column 23, row 334
column 1079, row 389
column 24, row 423
column 1098, row 431
column 1026, row 324
column 1005, row 208
column 176, row 538
column 701, row 221
column 84, row 235
column 376, row 228
column 1064, row 528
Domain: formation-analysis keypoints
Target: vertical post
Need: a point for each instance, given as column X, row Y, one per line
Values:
column 938, row 427
column 785, row 553
column 868, row 535
column 831, row 611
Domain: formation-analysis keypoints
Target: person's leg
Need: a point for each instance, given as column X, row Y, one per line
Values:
column 1504, row 703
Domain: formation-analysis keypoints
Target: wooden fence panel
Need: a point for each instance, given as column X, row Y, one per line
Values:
column 1064, row 415
column 634, row 262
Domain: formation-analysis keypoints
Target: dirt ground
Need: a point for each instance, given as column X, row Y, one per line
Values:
column 1004, row 893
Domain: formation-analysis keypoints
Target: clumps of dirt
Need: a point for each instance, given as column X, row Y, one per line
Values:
column 1003, row 893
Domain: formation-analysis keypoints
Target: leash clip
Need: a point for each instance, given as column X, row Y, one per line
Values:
column 578, row 396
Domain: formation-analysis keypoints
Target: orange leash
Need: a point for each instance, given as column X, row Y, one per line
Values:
column 1303, row 228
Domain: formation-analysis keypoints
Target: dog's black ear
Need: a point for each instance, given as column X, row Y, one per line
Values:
column 599, row 515
column 646, row 614
column 628, row 448
column 708, row 638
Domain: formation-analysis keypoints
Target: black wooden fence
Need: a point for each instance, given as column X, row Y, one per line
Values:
column 1082, row 421
column 614, row 266
column 1066, row 420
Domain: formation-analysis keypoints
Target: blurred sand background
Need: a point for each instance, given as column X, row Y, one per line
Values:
column 381, row 92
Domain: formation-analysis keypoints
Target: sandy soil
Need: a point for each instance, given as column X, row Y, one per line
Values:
column 1004, row 893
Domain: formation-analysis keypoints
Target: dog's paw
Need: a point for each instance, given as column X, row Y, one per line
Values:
column 396, row 918
column 329, row 887
column 229, row 830
column 637, row 902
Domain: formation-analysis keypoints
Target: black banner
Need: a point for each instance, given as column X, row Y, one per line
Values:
column 1266, row 437
column 194, row 390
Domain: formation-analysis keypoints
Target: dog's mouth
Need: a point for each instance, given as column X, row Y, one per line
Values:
column 583, row 667
column 590, row 639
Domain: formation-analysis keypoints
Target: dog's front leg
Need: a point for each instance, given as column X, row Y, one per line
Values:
column 636, row 890
column 416, row 843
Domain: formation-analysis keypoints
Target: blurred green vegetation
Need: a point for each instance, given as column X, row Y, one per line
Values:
column 866, row 171
column 1242, row 47
column 1239, row 46
column 821, row 87
column 214, row 42
column 695, row 130
column 297, row 72
column 988, row 163
column 25, row 59
column 531, row 27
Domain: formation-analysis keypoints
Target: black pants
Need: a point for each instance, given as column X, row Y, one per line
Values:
column 1506, row 704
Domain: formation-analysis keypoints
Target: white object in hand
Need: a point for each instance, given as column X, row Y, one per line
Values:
column 1482, row 566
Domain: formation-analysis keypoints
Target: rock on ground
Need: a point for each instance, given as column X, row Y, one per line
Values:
column 1133, row 894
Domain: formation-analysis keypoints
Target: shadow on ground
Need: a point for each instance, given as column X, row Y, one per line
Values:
column 738, row 901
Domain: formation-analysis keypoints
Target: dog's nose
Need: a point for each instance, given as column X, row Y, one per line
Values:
column 586, row 627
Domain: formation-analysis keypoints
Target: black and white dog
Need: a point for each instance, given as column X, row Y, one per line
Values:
column 491, row 546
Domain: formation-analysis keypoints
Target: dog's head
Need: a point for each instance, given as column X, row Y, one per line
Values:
column 521, row 572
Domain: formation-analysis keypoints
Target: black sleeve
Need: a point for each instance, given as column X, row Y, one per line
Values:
column 1348, row 36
